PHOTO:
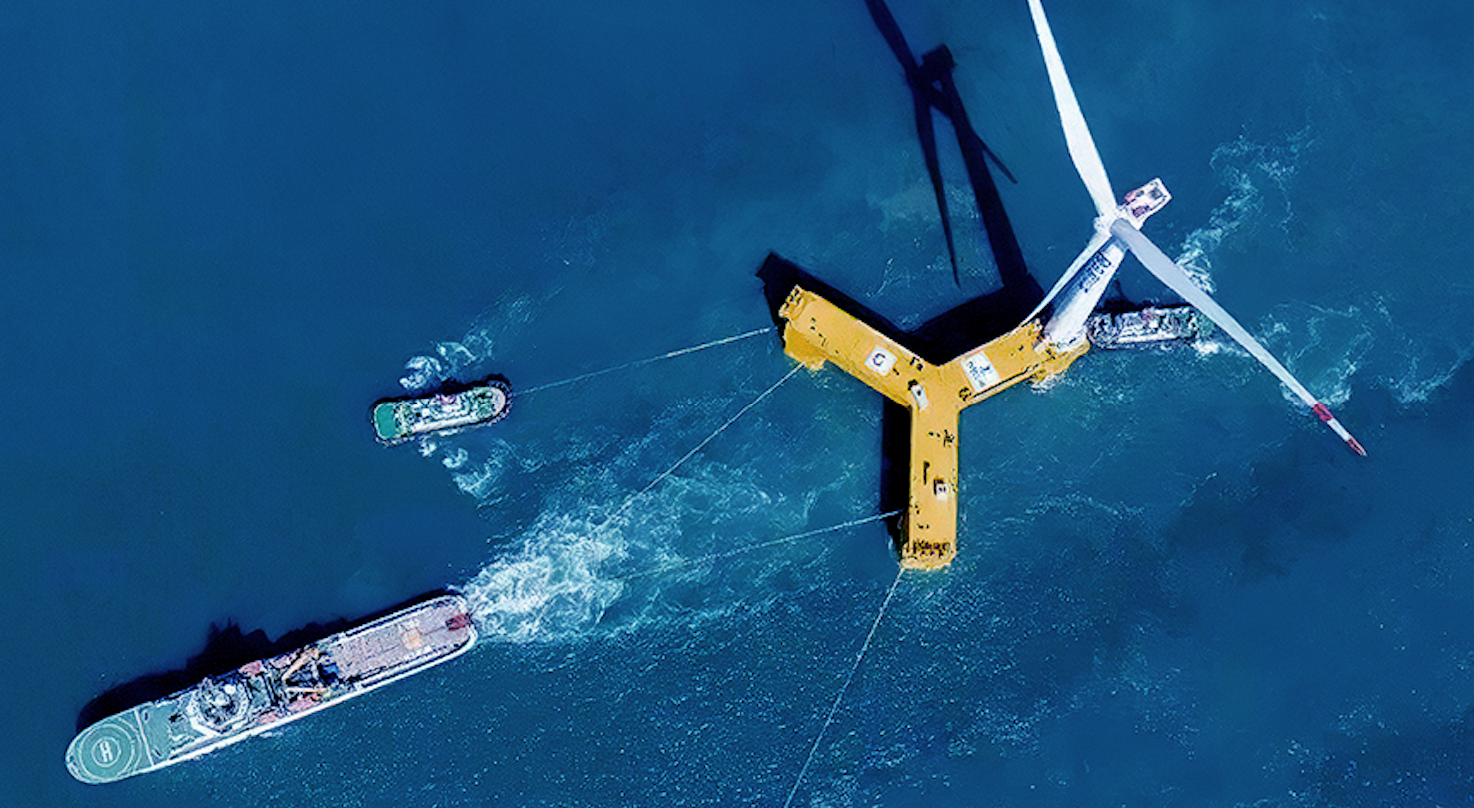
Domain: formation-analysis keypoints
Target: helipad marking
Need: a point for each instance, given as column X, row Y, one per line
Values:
column 104, row 752
column 109, row 750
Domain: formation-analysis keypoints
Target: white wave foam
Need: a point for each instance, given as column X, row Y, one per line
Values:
column 1208, row 347
column 456, row 354
column 1416, row 384
column 591, row 530
column 576, row 562
column 456, row 459
column 1081, row 508
column 551, row 588
column 424, row 371
column 481, row 343
column 481, row 481
column 1423, row 365
column 1323, row 347
column 1258, row 177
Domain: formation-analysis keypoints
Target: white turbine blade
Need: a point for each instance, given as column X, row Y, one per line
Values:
column 1077, row 134
column 1169, row 273
column 1094, row 246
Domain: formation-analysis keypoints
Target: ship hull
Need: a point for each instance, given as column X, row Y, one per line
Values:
column 447, row 412
column 269, row 693
column 1145, row 328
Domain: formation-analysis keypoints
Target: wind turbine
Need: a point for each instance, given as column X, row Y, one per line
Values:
column 1117, row 229
column 1048, row 340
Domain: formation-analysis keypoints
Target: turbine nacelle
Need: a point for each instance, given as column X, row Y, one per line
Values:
column 1137, row 207
column 1141, row 203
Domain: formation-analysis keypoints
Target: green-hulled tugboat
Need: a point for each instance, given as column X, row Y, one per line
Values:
column 449, row 410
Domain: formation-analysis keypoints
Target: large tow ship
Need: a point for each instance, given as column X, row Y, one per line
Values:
column 441, row 413
column 265, row 694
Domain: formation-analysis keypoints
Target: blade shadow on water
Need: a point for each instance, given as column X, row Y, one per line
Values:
column 967, row 325
column 932, row 88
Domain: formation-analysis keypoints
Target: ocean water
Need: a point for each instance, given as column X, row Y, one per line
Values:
column 225, row 231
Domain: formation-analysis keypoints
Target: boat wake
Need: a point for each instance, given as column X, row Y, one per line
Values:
column 1322, row 345
column 424, row 372
column 1332, row 344
column 458, row 358
column 553, row 587
column 1259, row 179
column 601, row 539
column 1422, row 363
column 456, row 459
column 1327, row 345
column 582, row 568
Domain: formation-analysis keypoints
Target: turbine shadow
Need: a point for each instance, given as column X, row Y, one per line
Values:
column 932, row 88
column 968, row 325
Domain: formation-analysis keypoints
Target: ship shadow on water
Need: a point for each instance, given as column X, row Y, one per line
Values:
column 226, row 648
column 969, row 324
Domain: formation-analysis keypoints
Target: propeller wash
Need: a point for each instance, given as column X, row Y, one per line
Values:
column 1045, row 344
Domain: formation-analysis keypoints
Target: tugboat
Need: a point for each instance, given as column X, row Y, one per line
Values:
column 1142, row 328
column 269, row 693
column 451, row 409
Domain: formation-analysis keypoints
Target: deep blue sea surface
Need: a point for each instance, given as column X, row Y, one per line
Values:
column 226, row 229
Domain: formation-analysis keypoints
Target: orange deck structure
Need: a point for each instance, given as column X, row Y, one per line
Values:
column 818, row 331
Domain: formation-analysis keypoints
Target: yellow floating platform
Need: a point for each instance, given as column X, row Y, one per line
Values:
column 818, row 331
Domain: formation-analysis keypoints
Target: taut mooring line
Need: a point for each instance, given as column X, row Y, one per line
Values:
column 760, row 545
column 699, row 446
column 839, row 697
column 646, row 361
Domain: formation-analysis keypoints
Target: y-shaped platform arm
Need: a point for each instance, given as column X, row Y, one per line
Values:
column 818, row 331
